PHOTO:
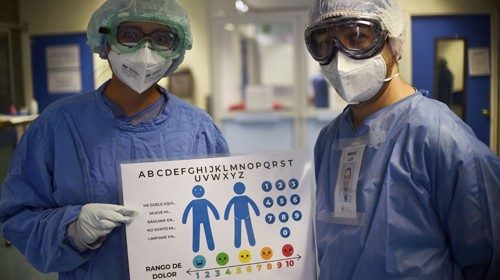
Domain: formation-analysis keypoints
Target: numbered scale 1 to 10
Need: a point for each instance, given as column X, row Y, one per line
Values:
column 239, row 269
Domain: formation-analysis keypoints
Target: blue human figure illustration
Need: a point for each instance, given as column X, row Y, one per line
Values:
column 241, row 212
column 200, row 216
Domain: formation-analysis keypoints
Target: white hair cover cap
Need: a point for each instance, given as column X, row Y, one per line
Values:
column 387, row 12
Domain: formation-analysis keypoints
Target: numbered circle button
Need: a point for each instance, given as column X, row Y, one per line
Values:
column 268, row 202
column 270, row 218
column 297, row 215
column 283, row 217
column 281, row 200
column 293, row 184
column 295, row 199
column 285, row 232
column 267, row 186
column 280, row 185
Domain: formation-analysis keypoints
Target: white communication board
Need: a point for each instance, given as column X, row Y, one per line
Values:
column 238, row 217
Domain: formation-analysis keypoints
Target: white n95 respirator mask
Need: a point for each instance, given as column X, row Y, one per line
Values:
column 356, row 80
column 140, row 69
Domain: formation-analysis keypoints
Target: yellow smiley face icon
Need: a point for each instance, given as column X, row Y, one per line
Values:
column 245, row 256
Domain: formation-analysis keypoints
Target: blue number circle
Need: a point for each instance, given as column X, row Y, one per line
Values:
column 293, row 184
column 270, row 218
column 297, row 215
column 280, row 185
column 283, row 217
column 268, row 202
column 267, row 186
column 295, row 199
column 285, row 232
column 281, row 200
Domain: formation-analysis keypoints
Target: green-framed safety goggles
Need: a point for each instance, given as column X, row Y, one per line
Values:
column 127, row 35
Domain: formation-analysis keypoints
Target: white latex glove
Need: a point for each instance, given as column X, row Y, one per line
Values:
column 96, row 220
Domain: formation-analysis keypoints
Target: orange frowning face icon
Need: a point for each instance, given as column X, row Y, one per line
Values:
column 266, row 253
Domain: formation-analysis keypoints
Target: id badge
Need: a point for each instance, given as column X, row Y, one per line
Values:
column 347, row 182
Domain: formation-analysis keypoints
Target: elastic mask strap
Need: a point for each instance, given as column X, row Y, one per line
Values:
column 390, row 78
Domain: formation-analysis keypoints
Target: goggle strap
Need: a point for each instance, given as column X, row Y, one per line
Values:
column 104, row 30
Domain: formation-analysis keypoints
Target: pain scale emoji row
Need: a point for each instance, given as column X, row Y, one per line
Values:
column 248, row 263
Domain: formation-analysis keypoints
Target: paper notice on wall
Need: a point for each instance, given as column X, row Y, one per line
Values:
column 64, row 82
column 479, row 61
column 240, row 217
column 63, row 69
column 63, row 56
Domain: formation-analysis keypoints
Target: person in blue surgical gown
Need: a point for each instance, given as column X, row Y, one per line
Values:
column 60, row 199
column 426, row 191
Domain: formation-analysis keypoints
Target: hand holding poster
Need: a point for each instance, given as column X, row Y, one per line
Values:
column 240, row 217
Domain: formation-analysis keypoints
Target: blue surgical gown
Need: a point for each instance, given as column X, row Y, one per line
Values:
column 69, row 157
column 428, row 197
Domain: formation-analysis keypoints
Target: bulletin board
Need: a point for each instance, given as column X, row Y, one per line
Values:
column 62, row 66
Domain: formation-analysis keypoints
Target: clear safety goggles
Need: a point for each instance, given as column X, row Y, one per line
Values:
column 357, row 38
column 125, row 36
